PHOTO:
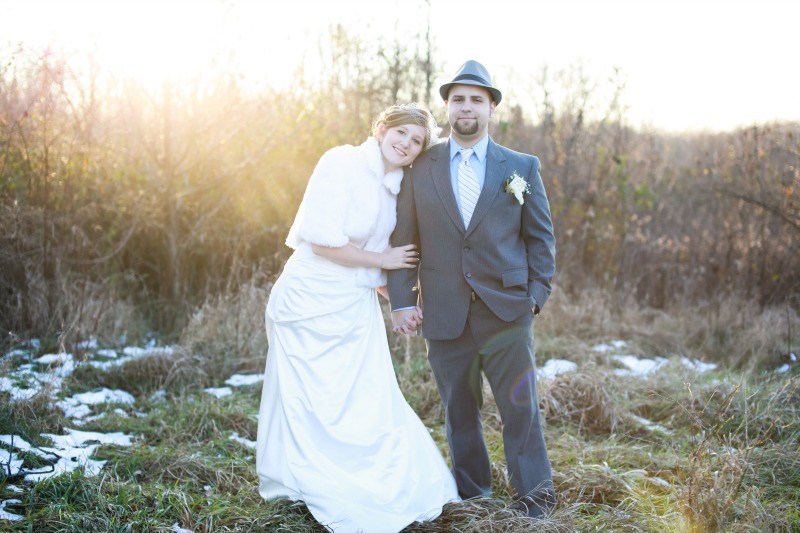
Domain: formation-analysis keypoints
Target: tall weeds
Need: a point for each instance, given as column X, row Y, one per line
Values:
column 160, row 196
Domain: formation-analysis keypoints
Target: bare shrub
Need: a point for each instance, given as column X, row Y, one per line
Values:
column 586, row 315
column 97, row 310
column 596, row 400
column 161, row 369
column 738, row 439
column 226, row 334
column 31, row 417
column 715, row 482
column 720, row 329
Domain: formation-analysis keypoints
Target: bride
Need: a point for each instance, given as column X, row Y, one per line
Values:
column 334, row 429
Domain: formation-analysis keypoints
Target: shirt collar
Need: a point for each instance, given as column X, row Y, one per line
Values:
column 479, row 149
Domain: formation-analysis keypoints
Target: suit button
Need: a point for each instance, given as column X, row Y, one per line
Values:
column 469, row 275
column 466, row 248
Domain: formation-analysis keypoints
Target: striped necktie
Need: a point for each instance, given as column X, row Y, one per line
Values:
column 468, row 187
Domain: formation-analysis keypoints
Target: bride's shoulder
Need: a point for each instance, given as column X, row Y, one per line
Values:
column 340, row 156
column 342, row 166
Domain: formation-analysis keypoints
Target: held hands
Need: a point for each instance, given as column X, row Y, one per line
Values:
column 401, row 257
column 406, row 320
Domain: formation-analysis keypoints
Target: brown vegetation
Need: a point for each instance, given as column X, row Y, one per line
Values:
column 125, row 209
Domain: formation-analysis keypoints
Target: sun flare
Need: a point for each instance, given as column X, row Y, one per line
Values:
column 705, row 76
column 158, row 42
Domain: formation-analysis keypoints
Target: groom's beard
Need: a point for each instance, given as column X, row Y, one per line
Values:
column 471, row 128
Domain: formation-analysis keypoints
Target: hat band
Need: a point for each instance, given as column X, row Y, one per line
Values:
column 472, row 77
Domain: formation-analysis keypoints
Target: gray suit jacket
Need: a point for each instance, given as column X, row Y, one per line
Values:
column 506, row 255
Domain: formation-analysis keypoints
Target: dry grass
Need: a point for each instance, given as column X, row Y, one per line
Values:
column 227, row 333
column 724, row 459
column 593, row 398
column 722, row 330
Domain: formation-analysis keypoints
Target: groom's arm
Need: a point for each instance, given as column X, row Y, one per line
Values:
column 537, row 230
column 402, row 283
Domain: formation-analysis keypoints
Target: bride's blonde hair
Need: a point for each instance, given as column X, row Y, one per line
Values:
column 401, row 114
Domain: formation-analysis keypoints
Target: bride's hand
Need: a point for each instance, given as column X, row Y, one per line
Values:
column 400, row 257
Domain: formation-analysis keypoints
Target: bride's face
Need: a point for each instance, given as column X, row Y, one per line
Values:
column 400, row 145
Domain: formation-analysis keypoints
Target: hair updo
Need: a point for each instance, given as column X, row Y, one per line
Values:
column 402, row 114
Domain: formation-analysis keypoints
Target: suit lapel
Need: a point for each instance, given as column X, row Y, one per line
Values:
column 440, row 172
column 495, row 173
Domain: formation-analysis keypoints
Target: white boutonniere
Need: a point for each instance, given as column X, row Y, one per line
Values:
column 517, row 186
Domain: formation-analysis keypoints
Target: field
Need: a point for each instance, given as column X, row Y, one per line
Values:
column 654, row 422
column 141, row 227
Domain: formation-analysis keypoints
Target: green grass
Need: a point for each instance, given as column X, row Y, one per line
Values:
column 725, row 459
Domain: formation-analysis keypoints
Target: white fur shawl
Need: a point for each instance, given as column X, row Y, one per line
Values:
column 349, row 199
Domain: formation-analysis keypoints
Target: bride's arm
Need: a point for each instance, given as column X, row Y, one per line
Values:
column 352, row 256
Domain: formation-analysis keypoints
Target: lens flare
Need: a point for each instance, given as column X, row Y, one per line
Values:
column 523, row 391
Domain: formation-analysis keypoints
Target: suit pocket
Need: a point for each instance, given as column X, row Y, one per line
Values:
column 515, row 277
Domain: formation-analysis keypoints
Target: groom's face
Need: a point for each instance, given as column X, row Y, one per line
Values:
column 469, row 109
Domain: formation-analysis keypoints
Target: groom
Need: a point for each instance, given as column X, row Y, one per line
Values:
column 479, row 214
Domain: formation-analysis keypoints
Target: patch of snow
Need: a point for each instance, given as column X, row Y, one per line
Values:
column 6, row 515
column 131, row 353
column 119, row 412
column 105, row 395
column 76, row 437
column 150, row 349
column 66, row 451
column 699, row 366
column 89, row 344
column 235, row 437
column 782, row 369
column 219, row 392
column 17, row 393
column 15, row 441
column 48, row 359
column 88, row 419
column 10, row 464
column 237, row 380
column 158, row 395
column 65, row 465
column 16, row 352
column 611, row 346
column 652, row 426
column 74, row 453
column 554, row 367
column 72, row 408
column 638, row 367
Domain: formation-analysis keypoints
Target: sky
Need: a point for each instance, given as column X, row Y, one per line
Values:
column 687, row 64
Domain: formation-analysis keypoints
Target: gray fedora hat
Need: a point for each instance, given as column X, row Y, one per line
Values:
column 472, row 73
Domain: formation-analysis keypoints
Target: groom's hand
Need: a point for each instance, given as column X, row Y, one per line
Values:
column 406, row 320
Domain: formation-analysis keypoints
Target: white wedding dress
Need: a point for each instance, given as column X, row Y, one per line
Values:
column 334, row 429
